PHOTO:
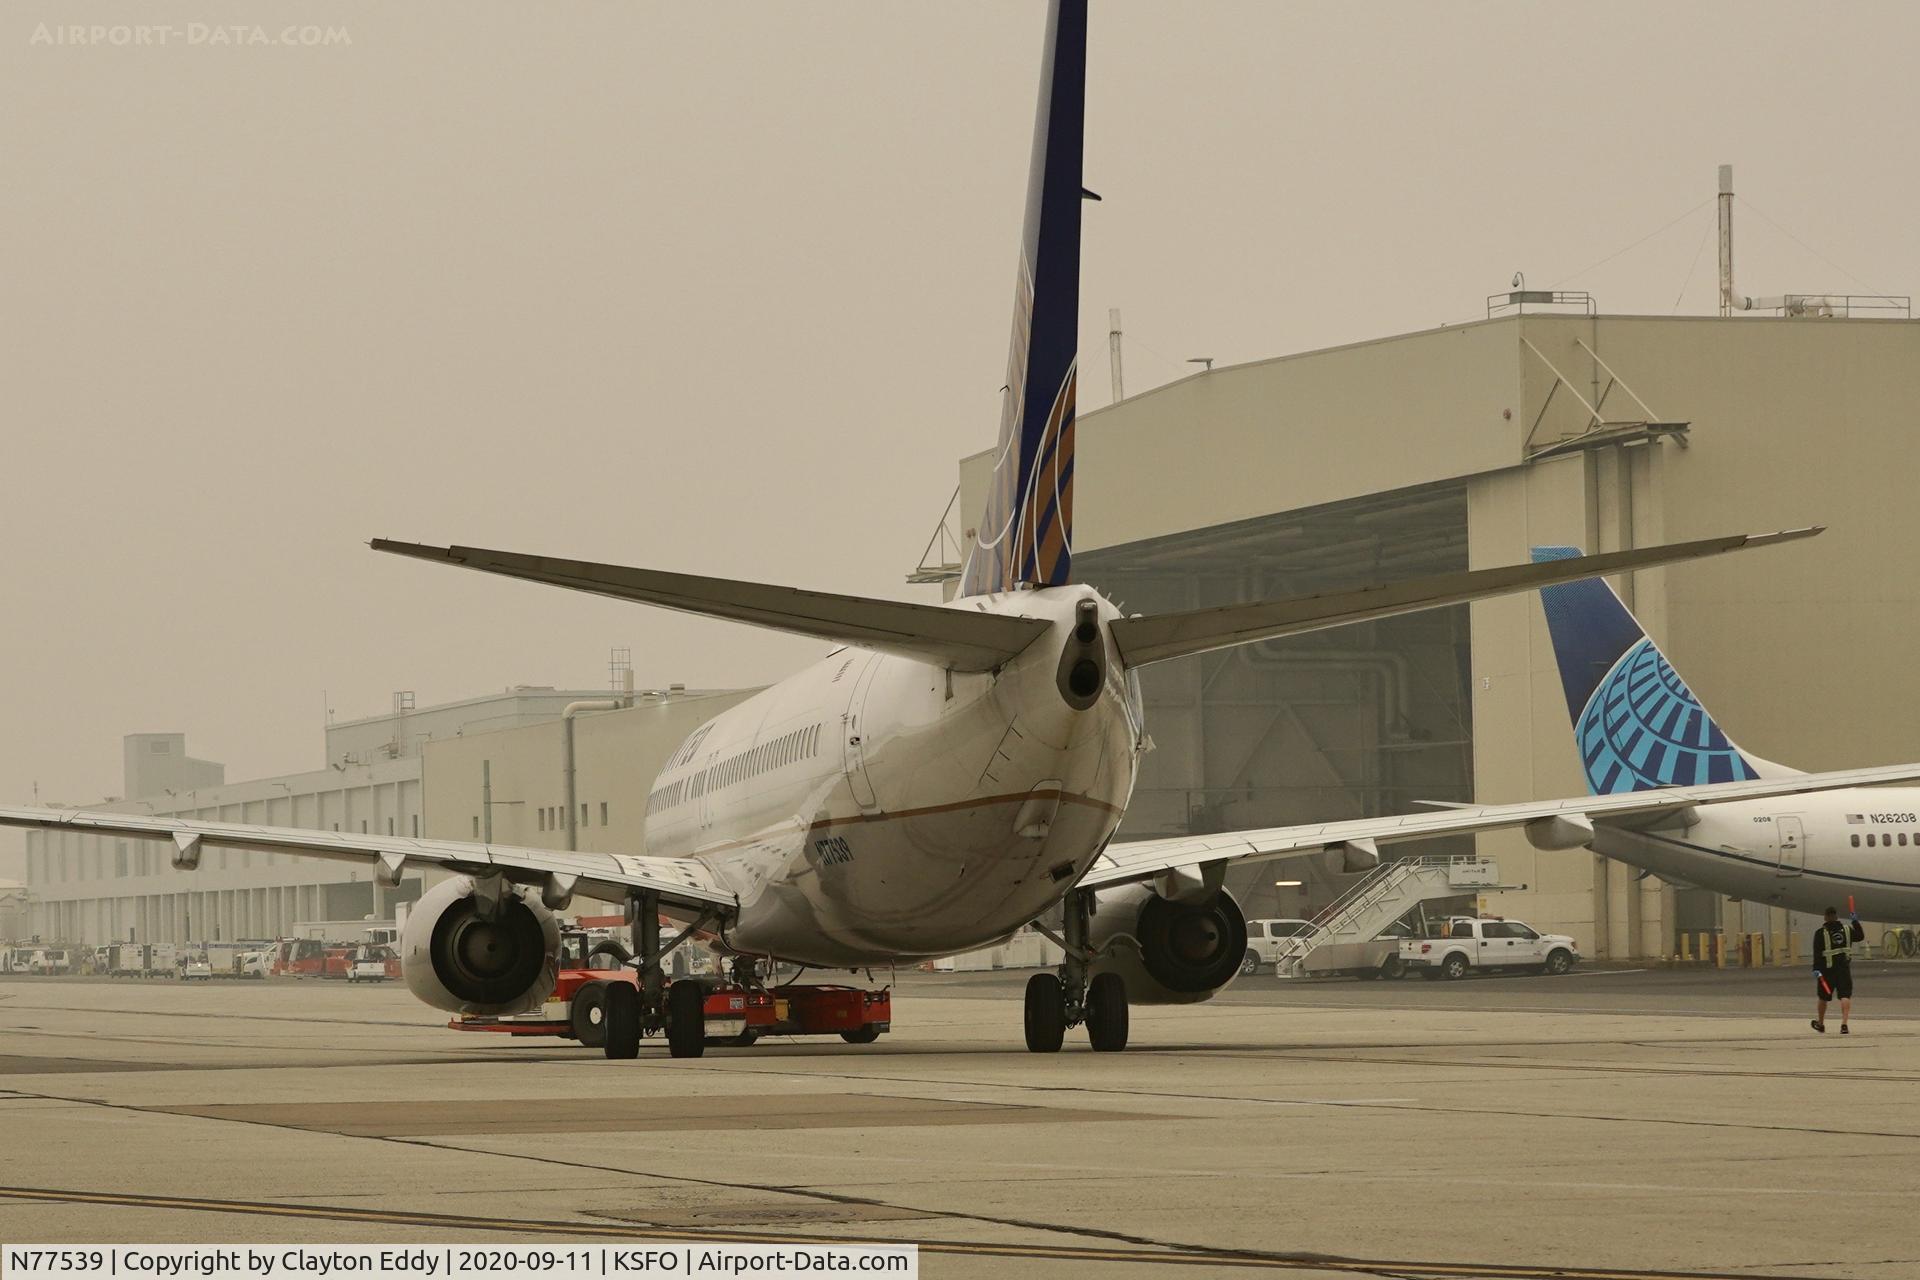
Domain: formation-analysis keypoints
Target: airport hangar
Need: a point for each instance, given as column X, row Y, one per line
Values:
column 1447, row 449
column 1464, row 447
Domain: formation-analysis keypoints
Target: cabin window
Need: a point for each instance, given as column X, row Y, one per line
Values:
column 1871, row 840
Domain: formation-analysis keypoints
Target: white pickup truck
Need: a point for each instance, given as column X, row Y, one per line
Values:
column 1266, row 939
column 1469, row 944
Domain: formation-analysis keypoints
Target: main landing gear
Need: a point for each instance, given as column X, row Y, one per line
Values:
column 1058, row 1001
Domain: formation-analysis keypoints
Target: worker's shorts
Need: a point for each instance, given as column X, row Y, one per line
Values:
column 1837, row 985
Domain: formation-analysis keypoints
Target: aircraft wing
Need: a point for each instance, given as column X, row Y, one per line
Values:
column 1123, row 863
column 684, row 882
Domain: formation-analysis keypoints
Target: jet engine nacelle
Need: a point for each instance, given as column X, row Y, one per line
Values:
column 462, row 958
column 1167, row 952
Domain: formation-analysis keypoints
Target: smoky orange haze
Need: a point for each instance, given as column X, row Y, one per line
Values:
column 725, row 288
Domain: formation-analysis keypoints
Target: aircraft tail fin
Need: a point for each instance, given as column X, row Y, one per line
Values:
column 1636, row 722
column 1025, row 536
column 961, row 639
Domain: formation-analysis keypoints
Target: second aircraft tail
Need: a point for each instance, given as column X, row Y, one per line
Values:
column 1637, row 724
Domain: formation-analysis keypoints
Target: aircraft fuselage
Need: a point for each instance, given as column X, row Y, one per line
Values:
column 1803, row 852
column 873, row 808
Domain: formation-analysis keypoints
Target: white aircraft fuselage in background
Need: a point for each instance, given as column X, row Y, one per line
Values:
column 1797, row 852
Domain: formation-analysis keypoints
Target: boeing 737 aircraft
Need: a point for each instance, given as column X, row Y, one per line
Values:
column 947, row 775
column 1639, row 728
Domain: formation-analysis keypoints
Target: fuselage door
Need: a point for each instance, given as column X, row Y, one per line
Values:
column 1790, row 842
column 853, row 734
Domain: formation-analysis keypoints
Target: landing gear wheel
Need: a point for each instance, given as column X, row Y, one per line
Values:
column 1558, row 963
column 1393, row 967
column 686, row 1020
column 1046, row 1014
column 1455, row 968
column 1107, row 1013
column 865, row 1035
column 588, row 1014
column 620, row 1021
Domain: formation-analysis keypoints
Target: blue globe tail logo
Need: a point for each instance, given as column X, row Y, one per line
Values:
column 1643, row 729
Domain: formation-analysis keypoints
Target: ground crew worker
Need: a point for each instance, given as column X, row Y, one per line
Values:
column 1833, row 969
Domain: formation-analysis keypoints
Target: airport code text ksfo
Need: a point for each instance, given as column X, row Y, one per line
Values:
column 726, row 1261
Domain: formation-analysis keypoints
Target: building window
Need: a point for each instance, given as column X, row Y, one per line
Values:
column 416, row 826
column 541, row 814
column 476, row 826
column 603, row 813
column 583, row 813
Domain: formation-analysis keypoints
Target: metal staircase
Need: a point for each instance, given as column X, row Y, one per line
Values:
column 1384, row 895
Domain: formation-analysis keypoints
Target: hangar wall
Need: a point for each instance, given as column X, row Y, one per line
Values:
column 1800, row 651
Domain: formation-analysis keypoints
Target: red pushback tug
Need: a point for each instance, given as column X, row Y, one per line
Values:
column 720, row 1012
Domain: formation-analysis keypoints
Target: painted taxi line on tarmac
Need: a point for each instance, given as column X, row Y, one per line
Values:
column 1061, row 1253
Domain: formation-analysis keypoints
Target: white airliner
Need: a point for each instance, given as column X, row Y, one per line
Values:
column 1639, row 729
column 951, row 772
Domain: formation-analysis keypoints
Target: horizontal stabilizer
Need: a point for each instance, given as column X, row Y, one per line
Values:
column 961, row 639
column 1176, row 635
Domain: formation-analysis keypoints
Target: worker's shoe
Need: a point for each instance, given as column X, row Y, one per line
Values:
column 1845, row 1030
column 1819, row 1026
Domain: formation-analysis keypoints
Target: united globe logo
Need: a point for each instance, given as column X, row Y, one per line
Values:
column 1643, row 728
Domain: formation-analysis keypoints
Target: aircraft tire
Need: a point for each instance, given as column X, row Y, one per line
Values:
column 686, row 1020
column 620, row 1021
column 588, row 1014
column 1107, row 1013
column 1046, row 1014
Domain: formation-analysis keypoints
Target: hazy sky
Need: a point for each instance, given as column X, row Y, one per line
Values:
column 723, row 287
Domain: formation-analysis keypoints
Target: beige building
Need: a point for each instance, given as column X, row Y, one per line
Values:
column 93, row 889
column 1464, row 447
column 522, row 770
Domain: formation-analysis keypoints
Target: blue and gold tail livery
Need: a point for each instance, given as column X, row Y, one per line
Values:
column 1026, row 534
column 1637, row 724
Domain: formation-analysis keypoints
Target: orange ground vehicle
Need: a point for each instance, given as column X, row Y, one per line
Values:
column 299, row 958
column 733, row 1014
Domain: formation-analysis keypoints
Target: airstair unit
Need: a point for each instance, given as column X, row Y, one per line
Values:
column 1377, row 902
